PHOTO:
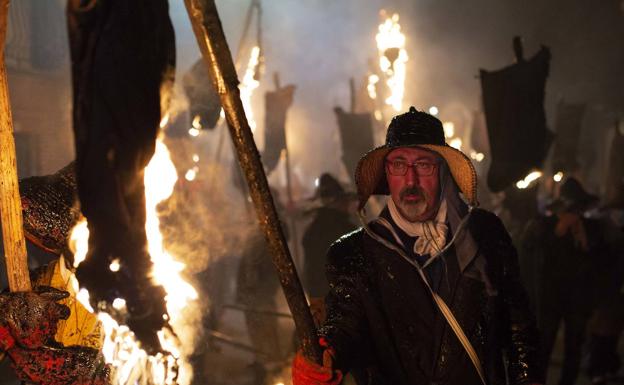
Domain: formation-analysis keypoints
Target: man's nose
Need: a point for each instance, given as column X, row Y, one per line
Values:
column 411, row 178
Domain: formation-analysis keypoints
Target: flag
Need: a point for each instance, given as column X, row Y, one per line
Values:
column 356, row 135
column 276, row 104
column 513, row 101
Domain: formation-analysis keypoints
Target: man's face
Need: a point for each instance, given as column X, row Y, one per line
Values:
column 415, row 194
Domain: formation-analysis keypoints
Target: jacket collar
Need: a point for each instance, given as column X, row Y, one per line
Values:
column 466, row 247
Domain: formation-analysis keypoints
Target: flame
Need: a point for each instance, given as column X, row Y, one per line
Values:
column 121, row 350
column 197, row 122
column 160, row 178
column 249, row 84
column 526, row 182
column 79, row 242
column 373, row 79
column 390, row 42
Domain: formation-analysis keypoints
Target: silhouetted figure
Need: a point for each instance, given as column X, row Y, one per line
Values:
column 257, row 288
column 607, row 322
column 564, row 255
column 331, row 221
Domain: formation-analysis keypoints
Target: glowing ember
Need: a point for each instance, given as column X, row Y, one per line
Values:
column 131, row 364
column 164, row 121
column 526, row 182
column 191, row 174
column 249, row 84
column 392, row 59
column 114, row 266
column 119, row 303
column 197, row 122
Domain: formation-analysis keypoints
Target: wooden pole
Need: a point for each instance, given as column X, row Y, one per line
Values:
column 211, row 39
column 10, row 203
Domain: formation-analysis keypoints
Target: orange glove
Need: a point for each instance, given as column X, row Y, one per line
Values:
column 306, row 372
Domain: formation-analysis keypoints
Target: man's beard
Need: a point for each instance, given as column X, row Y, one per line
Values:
column 413, row 211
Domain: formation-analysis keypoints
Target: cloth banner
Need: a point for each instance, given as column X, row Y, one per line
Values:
column 513, row 101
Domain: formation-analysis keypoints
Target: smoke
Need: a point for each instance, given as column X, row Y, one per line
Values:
column 318, row 45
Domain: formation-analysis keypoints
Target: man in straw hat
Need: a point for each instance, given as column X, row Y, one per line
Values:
column 427, row 293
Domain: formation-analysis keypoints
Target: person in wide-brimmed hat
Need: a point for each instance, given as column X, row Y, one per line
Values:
column 572, row 198
column 427, row 292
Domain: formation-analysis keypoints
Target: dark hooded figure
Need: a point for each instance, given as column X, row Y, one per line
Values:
column 429, row 291
column 257, row 288
column 330, row 221
column 565, row 259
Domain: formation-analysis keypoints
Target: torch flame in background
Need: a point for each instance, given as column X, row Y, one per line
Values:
column 249, row 84
column 526, row 182
column 130, row 363
column 392, row 59
column 449, row 134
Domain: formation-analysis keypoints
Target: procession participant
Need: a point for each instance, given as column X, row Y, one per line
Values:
column 429, row 292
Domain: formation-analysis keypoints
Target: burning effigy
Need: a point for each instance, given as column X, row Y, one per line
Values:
column 114, row 303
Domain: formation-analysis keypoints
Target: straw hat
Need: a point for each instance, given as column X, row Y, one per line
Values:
column 414, row 129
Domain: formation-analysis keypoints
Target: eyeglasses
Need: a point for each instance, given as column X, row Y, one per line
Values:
column 398, row 167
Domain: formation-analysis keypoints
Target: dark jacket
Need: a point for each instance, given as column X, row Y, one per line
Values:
column 555, row 269
column 386, row 328
column 327, row 226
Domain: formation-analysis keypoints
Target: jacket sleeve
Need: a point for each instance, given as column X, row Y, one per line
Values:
column 521, row 340
column 346, row 327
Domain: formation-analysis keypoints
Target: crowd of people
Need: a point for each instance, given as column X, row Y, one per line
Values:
column 432, row 289
column 387, row 296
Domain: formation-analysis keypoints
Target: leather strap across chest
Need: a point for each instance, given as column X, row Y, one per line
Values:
column 442, row 306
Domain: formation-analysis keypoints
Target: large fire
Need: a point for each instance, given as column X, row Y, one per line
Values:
column 249, row 84
column 392, row 59
column 129, row 362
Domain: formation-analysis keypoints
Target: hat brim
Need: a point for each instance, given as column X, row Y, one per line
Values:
column 370, row 176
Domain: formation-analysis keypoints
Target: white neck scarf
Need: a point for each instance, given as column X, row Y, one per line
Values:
column 431, row 234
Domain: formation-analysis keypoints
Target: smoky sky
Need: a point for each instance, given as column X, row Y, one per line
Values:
column 319, row 44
